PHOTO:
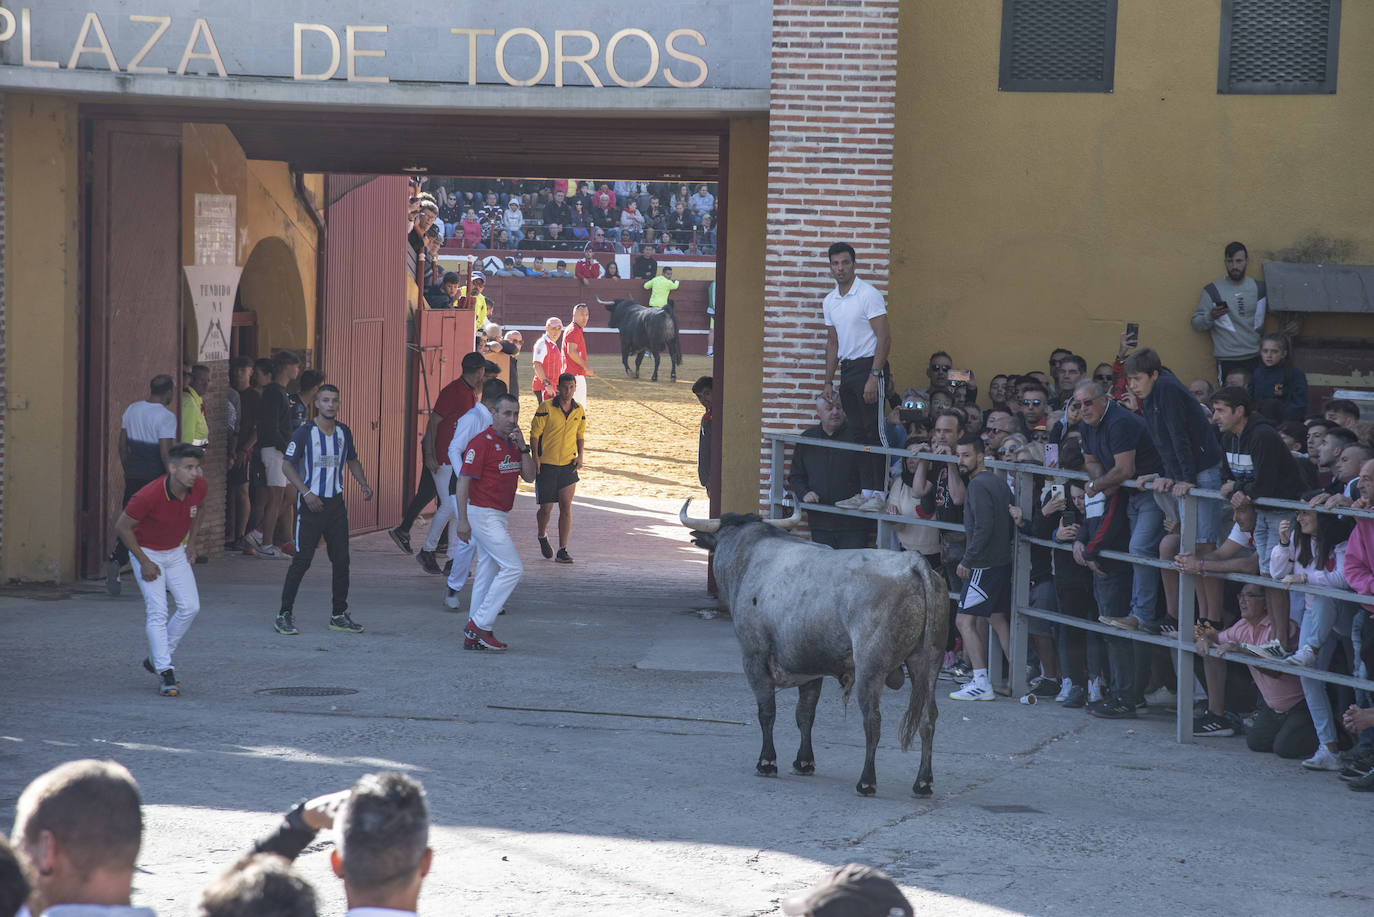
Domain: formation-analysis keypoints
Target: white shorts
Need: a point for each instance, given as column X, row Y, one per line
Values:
column 272, row 461
column 580, row 392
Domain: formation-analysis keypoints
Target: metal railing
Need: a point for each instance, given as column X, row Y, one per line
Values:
column 1182, row 644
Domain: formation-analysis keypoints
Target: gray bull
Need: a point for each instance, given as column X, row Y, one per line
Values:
column 803, row 611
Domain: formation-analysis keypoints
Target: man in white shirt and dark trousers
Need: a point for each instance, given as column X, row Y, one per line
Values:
column 474, row 421
column 313, row 464
column 857, row 336
column 148, row 430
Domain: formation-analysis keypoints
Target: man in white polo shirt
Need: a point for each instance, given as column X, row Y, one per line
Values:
column 857, row 336
column 147, row 431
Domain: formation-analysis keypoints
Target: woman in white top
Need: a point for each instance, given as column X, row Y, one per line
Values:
column 923, row 539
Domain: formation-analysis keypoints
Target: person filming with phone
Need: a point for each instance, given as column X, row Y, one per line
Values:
column 1232, row 309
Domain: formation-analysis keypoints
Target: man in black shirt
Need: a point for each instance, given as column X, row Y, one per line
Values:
column 646, row 265
column 274, row 432
column 823, row 476
column 557, row 212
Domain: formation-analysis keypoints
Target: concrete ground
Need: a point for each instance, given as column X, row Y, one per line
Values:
column 605, row 764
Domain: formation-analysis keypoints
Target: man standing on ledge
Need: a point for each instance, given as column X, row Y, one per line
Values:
column 857, row 334
column 1232, row 309
column 313, row 464
column 493, row 465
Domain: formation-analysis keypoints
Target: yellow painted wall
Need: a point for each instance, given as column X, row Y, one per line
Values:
column 1024, row 221
column 277, row 241
column 742, row 291
column 42, row 282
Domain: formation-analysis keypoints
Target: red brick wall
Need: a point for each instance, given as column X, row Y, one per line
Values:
column 829, row 180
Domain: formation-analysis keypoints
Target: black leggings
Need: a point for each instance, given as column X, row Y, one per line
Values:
column 424, row 495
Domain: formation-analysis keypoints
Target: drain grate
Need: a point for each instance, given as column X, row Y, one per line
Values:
column 305, row 692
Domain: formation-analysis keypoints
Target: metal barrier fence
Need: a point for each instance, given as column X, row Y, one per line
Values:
column 1181, row 644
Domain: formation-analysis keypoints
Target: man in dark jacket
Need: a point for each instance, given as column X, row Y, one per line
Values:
column 1106, row 527
column 1258, row 465
column 823, row 476
column 1188, row 449
column 703, row 389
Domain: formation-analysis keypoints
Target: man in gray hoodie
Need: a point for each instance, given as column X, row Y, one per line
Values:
column 986, row 567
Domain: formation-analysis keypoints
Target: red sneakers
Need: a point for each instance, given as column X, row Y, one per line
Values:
column 474, row 638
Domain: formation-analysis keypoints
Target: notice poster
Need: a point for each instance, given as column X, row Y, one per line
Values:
column 212, row 295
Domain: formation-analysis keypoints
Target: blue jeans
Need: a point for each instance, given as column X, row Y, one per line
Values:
column 1147, row 529
column 1318, row 700
column 1266, row 536
column 1113, row 594
column 1209, row 511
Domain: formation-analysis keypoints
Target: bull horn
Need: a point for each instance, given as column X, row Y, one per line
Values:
column 697, row 525
column 790, row 522
column 605, row 302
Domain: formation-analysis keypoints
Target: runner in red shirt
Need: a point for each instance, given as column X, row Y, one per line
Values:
column 455, row 400
column 155, row 524
column 494, row 463
column 575, row 352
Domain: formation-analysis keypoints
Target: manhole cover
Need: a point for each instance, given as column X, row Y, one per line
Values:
column 306, row 692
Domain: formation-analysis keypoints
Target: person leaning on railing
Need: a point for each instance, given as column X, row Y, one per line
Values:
column 1359, row 573
column 1235, row 555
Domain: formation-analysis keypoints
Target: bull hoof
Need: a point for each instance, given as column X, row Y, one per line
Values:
column 654, row 377
column 866, row 789
column 896, row 678
column 673, row 377
column 922, row 788
column 766, row 769
column 804, row 768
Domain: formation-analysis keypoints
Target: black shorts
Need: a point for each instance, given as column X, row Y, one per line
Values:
column 551, row 479
column 987, row 591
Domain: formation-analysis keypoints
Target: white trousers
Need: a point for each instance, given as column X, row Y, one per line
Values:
column 580, row 392
column 498, row 565
column 447, row 512
column 175, row 574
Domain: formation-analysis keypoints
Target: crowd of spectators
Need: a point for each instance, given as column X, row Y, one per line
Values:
column 564, row 215
column 1131, row 418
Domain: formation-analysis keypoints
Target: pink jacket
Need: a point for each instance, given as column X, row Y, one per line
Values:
column 1359, row 559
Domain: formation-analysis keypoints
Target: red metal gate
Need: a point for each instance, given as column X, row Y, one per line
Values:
column 364, row 333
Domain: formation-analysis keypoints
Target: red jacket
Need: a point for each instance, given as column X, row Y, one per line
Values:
column 589, row 270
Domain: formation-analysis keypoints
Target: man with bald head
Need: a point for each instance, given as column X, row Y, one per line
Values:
column 824, row 476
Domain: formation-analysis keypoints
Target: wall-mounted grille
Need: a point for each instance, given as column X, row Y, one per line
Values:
column 1057, row 46
column 1278, row 46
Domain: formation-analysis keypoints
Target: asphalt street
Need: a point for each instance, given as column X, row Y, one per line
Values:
column 605, row 764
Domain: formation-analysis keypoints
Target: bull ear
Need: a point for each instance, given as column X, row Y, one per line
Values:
column 790, row 522
column 697, row 525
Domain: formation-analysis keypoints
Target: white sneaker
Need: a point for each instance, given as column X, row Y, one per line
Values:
column 1306, row 656
column 874, row 504
column 710, row 351
column 1065, row 687
column 1162, row 698
column 1094, row 690
column 1323, row 760
column 853, row 502
column 267, row 550
column 974, row 690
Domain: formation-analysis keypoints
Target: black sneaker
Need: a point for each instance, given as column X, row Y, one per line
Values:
column 1209, row 725
column 563, row 557
column 344, row 623
column 1363, row 784
column 544, row 547
column 112, row 577
column 427, row 561
column 148, row 664
column 1356, row 764
column 284, row 625
column 448, row 567
column 170, row 687
column 1045, row 687
column 402, row 539
column 1111, row 708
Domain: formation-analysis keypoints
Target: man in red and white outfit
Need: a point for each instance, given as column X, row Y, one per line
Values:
column 548, row 360
column 493, row 465
column 155, row 526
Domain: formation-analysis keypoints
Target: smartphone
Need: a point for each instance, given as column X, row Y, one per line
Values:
column 959, row 377
column 1221, row 304
column 1069, row 516
column 1133, row 330
column 911, row 415
column 1052, row 456
column 1050, row 492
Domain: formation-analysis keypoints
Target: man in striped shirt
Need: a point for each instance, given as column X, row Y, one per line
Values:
column 314, row 462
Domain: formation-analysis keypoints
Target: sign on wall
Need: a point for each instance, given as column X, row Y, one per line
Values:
column 214, row 278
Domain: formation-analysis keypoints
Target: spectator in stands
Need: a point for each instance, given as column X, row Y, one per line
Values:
column 513, row 221
column 1277, row 378
column 937, row 371
column 631, row 224
column 1232, row 309
column 537, row 269
column 612, row 270
column 820, row 476
column 1282, row 724
column 579, row 221
column 259, row 885
column 646, row 265
column 997, row 391
column 78, row 827
column 557, row 212
column 1329, row 454
column 472, row 230
column 424, row 219
column 1341, row 412
column 667, row 246
column 605, row 217
column 1238, row 377
column 1035, row 407
column 502, row 240
column 680, row 225
column 557, row 239
column 703, row 202
column 599, row 243
column 1258, row 465
column 1202, row 390
column 490, row 215
column 446, row 294
column 942, row 491
column 706, row 235
column 903, row 501
column 477, row 300
column 508, row 269
column 1072, row 369
column 1000, row 424
column 655, row 219
column 560, row 270
column 588, row 268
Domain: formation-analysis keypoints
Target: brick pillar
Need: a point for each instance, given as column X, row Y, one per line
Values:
column 832, row 95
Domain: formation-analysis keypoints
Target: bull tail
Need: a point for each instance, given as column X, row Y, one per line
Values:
column 935, row 626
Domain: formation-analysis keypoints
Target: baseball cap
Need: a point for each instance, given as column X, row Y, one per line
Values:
column 478, row 275
column 853, row 890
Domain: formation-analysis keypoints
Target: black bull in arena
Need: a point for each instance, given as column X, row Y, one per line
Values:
column 803, row 611
column 645, row 330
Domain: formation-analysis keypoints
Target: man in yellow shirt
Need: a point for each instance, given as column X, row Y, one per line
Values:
column 195, row 429
column 556, row 437
column 481, row 311
column 659, row 287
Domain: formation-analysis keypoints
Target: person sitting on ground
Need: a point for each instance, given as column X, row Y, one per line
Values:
column 1341, row 412
column 1276, row 377
column 1282, row 723
column 259, row 885
column 79, row 827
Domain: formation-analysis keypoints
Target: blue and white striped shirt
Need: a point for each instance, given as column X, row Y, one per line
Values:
column 320, row 459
